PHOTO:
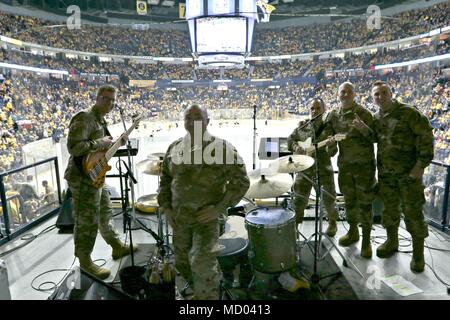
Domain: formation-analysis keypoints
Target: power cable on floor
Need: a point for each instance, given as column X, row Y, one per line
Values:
column 28, row 238
column 54, row 285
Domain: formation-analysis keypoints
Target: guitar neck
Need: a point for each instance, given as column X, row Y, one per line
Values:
column 322, row 143
column 112, row 151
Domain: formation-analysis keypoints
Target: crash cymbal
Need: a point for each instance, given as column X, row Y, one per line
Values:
column 150, row 166
column 269, row 186
column 292, row 163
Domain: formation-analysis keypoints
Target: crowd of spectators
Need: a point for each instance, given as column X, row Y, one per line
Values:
column 34, row 106
column 114, row 39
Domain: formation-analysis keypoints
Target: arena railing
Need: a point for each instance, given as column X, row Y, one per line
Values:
column 437, row 186
column 24, row 200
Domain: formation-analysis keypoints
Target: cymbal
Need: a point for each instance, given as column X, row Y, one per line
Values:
column 257, row 173
column 269, row 186
column 292, row 163
column 150, row 166
column 147, row 203
column 159, row 155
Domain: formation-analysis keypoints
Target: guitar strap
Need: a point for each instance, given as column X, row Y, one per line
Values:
column 320, row 130
column 105, row 127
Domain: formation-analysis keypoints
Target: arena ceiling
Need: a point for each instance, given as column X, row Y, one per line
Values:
column 167, row 10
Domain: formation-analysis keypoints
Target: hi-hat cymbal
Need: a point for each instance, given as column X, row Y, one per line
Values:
column 269, row 186
column 159, row 155
column 150, row 166
column 147, row 203
column 257, row 173
column 292, row 163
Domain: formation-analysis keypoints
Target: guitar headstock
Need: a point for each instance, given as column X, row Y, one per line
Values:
column 136, row 119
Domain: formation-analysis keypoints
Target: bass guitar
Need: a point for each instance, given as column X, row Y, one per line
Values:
column 95, row 164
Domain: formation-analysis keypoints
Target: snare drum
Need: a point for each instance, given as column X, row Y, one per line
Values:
column 273, row 239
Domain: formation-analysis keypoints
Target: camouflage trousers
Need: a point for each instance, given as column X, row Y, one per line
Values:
column 302, row 188
column 400, row 193
column 195, row 248
column 357, row 184
column 92, row 212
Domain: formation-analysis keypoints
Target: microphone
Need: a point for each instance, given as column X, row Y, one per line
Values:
column 310, row 121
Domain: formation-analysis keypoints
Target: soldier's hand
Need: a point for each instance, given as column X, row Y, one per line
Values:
column 207, row 214
column 358, row 123
column 331, row 141
column 416, row 172
column 170, row 216
column 124, row 139
column 299, row 150
column 104, row 143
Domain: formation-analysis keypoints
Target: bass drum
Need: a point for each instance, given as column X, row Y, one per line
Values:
column 273, row 239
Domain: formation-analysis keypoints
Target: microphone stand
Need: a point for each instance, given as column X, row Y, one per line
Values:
column 318, row 234
column 127, row 218
column 133, row 181
column 254, row 136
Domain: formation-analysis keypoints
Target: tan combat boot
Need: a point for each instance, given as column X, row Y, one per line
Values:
column 332, row 228
column 390, row 246
column 418, row 261
column 87, row 265
column 366, row 247
column 121, row 250
column 351, row 237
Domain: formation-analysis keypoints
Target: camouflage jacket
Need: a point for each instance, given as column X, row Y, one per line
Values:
column 302, row 133
column 189, row 183
column 357, row 147
column 404, row 136
column 85, row 128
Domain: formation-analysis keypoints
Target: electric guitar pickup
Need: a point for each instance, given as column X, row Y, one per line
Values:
column 95, row 164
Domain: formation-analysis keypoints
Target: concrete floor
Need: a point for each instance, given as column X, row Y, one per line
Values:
column 52, row 251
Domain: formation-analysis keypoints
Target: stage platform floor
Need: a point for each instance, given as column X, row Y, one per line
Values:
column 54, row 251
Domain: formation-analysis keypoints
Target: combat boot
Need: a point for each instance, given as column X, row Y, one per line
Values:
column 366, row 247
column 351, row 237
column 87, row 265
column 332, row 228
column 121, row 250
column 418, row 261
column 390, row 246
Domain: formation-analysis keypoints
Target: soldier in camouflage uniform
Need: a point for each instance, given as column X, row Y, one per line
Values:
column 195, row 190
column 356, row 162
column 405, row 149
column 303, row 184
column 91, row 205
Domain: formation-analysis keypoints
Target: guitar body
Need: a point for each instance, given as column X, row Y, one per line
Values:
column 95, row 165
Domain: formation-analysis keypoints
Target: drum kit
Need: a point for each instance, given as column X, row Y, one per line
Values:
column 269, row 237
